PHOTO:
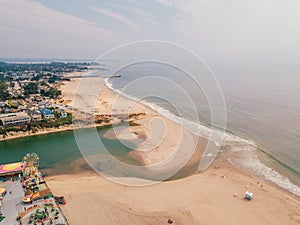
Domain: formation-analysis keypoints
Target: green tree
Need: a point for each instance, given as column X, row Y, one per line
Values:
column 12, row 84
column 31, row 88
column 53, row 79
column 4, row 94
column 51, row 92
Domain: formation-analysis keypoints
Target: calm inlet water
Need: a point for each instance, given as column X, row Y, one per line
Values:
column 59, row 149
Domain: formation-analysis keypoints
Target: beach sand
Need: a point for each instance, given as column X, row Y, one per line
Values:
column 215, row 196
column 206, row 198
column 161, row 136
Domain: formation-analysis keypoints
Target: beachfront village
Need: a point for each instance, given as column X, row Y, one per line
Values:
column 31, row 101
column 30, row 98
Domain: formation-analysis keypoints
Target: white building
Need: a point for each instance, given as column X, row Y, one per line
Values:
column 13, row 119
column 63, row 114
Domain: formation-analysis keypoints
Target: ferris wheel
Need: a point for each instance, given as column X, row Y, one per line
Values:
column 31, row 160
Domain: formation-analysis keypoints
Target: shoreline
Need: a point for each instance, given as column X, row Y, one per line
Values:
column 45, row 131
column 42, row 132
column 136, row 132
column 187, row 200
column 217, row 192
column 279, row 178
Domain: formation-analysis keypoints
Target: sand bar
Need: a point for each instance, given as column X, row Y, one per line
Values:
column 215, row 196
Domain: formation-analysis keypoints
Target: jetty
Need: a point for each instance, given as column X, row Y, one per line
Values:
column 25, row 197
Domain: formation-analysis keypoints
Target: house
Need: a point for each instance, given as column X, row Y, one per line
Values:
column 14, row 119
column 35, row 115
column 38, row 98
column 42, row 104
column 62, row 113
column 47, row 114
column 15, row 94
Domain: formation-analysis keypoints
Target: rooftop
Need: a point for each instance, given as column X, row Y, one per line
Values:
column 11, row 168
column 46, row 111
column 20, row 114
column 9, row 116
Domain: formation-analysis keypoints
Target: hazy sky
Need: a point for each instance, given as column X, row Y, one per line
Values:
column 217, row 30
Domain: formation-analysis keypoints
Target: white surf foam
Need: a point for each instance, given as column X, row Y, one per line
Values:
column 249, row 161
column 223, row 138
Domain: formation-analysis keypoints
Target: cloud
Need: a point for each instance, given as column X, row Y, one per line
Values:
column 30, row 29
column 250, row 30
column 135, row 2
column 165, row 2
column 116, row 16
column 172, row 3
column 136, row 11
column 217, row 30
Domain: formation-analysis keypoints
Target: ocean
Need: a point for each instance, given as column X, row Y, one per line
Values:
column 262, row 105
column 262, row 121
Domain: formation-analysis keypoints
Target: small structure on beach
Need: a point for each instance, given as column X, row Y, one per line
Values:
column 248, row 195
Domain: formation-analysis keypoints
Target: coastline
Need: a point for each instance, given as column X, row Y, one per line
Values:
column 246, row 158
column 186, row 201
column 110, row 102
column 17, row 135
column 67, row 98
column 45, row 131
column 203, row 198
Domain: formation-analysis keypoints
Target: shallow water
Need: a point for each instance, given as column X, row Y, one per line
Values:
column 262, row 107
column 59, row 149
column 59, row 154
column 262, row 104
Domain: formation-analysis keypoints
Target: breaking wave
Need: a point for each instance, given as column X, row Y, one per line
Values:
column 241, row 153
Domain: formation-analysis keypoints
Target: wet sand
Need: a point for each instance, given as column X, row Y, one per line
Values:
column 215, row 196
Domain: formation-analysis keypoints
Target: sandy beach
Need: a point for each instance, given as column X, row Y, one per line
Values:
column 204, row 199
column 163, row 112
column 215, row 196
column 161, row 136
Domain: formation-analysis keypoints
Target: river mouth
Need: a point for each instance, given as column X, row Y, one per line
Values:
column 60, row 149
column 59, row 154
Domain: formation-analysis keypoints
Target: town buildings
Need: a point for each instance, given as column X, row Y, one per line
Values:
column 14, row 119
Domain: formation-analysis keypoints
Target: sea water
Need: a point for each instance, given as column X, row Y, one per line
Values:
column 262, row 105
column 263, row 119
